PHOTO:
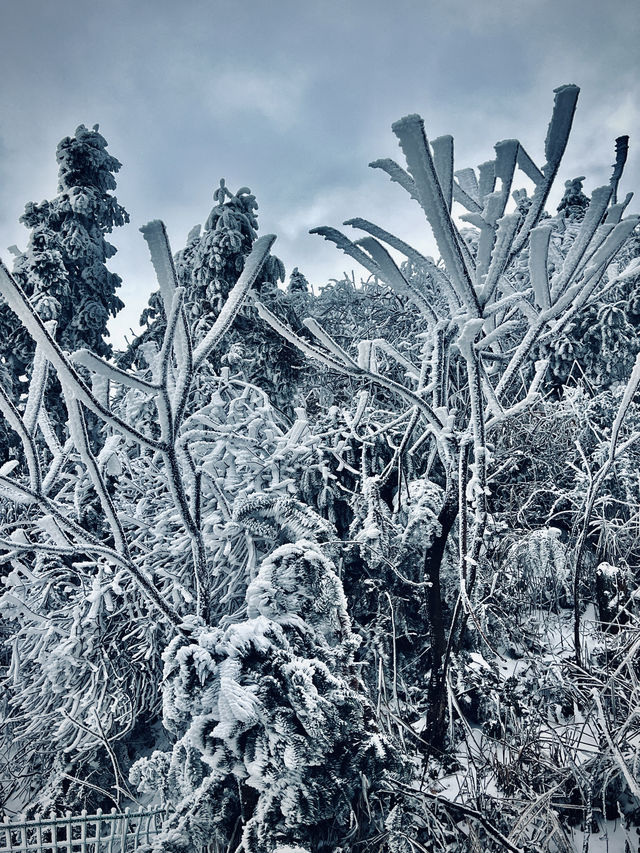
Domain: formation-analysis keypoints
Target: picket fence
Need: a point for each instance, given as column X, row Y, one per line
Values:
column 117, row 832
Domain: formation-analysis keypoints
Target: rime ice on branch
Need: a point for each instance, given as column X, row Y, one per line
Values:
column 482, row 320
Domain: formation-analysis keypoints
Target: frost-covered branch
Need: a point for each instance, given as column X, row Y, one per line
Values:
column 253, row 265
column 21, row 306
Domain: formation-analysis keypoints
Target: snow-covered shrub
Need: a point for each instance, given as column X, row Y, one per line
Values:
column 277, row 744
column 537, row 571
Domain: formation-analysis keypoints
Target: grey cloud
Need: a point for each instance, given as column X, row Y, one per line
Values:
column 294, row 99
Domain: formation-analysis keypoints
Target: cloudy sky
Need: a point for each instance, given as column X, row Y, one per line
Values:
column 294, row 98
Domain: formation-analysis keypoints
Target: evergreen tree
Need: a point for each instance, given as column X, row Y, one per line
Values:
column 63, row 271
column 297, row 282
column 207, row 268
column 574, row 202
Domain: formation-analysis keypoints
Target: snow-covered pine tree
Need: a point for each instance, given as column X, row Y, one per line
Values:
column 207, row 268
column 297, row 282
column 63, row 270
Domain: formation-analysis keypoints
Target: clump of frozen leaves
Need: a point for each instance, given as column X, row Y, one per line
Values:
column 276, row 743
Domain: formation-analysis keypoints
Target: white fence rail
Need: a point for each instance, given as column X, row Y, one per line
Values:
column 117, row 832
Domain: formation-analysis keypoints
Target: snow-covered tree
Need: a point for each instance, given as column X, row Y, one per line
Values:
column 64, row 268
column 63, row 271
column 277, row 746
column 417, row 555
column 207, row 268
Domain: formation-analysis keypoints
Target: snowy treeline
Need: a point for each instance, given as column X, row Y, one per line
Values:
column 338, row 572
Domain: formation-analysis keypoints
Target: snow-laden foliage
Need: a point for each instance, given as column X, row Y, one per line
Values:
column 276, row 743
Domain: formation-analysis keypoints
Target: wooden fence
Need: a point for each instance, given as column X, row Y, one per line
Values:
column 117, row 832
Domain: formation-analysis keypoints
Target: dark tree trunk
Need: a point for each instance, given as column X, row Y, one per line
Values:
column 437, row 694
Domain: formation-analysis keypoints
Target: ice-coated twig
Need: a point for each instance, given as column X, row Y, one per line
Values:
column 507, row 227
column 20, row 305
column 468, row 183
column 564, row 106
column 155, row 234
column 332, row 345
column 538, row 260
column 395, row 279
column 505, row 328
column 39, row 374
column 12, row 415
column 615, row 211
column 510, row 300
column 185, row 375
column 397, row 175
column 78, row 432
column 102, row 367
column 389, row 349
column 442, row 148
column 434, row 272
column 493, row 404
column 59, row 458
column 519, row 356
column 528, row 399
column 410, row 132
column 169, row 341
column 506, row 159
column 48, row 433
column 395, row 242
column 529, row 167
column 349, row 248
column 252, row 266
column 307, row 348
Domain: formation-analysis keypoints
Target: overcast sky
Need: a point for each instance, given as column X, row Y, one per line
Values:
column 294, row 99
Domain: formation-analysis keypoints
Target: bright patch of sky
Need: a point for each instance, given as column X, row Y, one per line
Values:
column 294, row 99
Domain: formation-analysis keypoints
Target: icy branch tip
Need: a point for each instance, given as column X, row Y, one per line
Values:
column 407, row 122
column 566, row 87
column 154, row 225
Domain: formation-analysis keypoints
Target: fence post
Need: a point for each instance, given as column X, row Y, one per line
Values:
column 38, row 828
column 112, row 830
column 69, row 826
column 23, row 834
column 54, row 833
column 98, row 830
column 83, row 831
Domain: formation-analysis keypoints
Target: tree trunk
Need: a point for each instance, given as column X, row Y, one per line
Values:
column 437, row 694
